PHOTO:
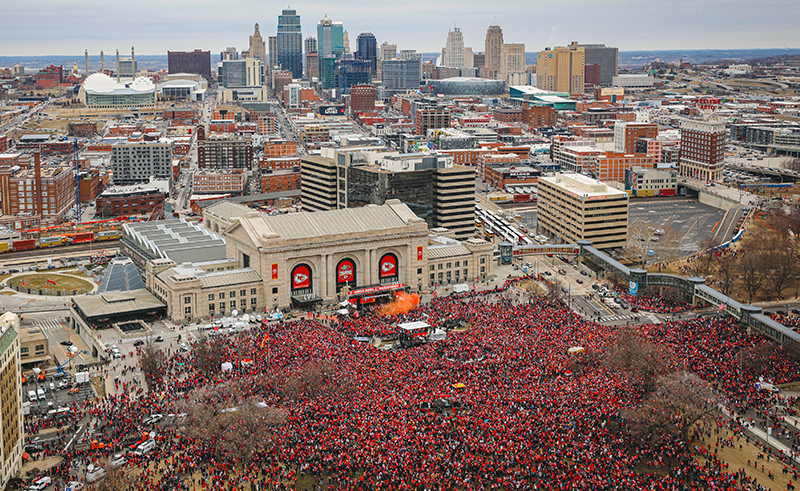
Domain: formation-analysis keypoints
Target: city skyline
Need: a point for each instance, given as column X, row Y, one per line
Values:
column 418, row 25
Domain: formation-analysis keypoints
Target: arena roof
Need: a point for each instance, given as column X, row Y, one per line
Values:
column 100, row 83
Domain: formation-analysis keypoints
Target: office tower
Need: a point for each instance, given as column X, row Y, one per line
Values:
column 273, row 51
column 388, row 51
column 493, row 50
column 230, row 53
column 196, row 61
column 290, row 42
column 346, row 41
column 330, row 38
column 469, row 58
column 368, row 50
column 257, row 49
column 310, row 45
column 453, row 53
column 12, row 434
column 702, row 153
column 330, row 43
column 351, row 72
column 479, row 60
column 232, row 73
column 561, row 69
column 606, row 58
column 512, row 60
column 401, row 74
column 254, row 72
column 362, row 98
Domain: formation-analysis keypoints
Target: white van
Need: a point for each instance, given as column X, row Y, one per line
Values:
column 94, row 473
column 40, row 484
column 32, row 396
column 41, row 394
column 145, row 448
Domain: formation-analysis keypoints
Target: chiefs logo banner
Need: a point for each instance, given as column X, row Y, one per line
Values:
column 388, row 266
column 346, row 272
column 301, row 278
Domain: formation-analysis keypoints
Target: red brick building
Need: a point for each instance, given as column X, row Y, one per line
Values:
column 626, row 134
column 91, row 184
column 280, row 148
column 281, row 80
column 612, row 166
column 279, row 180
column 181, row 113
column 362, row 98
column 223, row 153
column 276, row 163
column 49, row 77
column 137, row 199
column 538, row 116
column 431, row 118
column 233, row 182
column 508, row 114
column 52, row 198
column 3, row 143
column 82, row 128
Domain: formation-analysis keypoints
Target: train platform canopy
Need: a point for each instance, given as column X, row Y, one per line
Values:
column 175, row 239
column 413, row 326
column 121, row 276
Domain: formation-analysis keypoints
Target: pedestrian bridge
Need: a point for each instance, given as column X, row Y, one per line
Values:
column 749, row 316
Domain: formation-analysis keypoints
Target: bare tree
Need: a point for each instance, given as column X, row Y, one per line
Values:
column 116, row 479
column 152, row 363
column 706, row 254
column 667, row 248
column 781, row 256
column 726, row 273
column 208, row 355
column 678, row 402
column 634, row 358
column 753, row 264
column 640, row 240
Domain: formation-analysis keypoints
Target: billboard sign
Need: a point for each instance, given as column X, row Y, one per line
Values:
column 388, row 266
column 301, row 277
column 346, row 272
column 331, row 110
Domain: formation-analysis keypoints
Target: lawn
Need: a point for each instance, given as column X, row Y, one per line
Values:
column 38, row 281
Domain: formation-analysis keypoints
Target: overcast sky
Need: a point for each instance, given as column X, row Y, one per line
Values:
column 67, row 27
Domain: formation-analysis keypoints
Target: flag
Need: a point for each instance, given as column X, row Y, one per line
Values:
column 723, row 306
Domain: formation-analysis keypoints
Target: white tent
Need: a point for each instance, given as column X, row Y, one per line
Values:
column 227, row 366
column 413, row 326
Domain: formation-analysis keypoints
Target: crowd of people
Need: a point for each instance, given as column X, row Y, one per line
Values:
column 504, row 404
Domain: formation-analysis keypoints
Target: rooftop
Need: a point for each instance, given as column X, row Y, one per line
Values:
column 176, row 239
column 117, row 303
column 582, row 186
column 121, row 276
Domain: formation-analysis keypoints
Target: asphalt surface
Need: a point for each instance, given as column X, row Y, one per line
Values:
column 691, row 219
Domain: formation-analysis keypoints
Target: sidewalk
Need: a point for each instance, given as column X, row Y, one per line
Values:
column 762, row 435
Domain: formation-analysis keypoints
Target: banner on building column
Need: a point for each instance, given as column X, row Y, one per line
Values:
column 419, row 253
column 275, row 271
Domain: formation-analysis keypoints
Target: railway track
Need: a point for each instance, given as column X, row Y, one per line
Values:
column 60, row 251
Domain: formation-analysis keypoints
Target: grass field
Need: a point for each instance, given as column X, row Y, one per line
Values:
column 38, row 281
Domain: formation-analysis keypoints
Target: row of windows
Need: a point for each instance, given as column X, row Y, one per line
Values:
column 221, row 295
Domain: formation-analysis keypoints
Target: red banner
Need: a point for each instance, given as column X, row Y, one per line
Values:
column 301, row 278
column 275, row 271
column 419, row 253
column 388, row 266
column 345, row 273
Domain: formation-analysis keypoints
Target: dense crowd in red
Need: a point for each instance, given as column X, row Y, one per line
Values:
column 530, row 415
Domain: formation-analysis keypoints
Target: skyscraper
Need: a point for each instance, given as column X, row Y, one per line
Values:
column 606, row 58
column 311, row 66
column 257, row 48
column 346, row 41
column 702, row 149
column 273, row 51
column 310, row 45
column 494, row 50
column 561, row 69
column 290, row 42
column 453, row 54
column 368, row 50
column 512, row 60
column 196, row 61
column 330, row 42
column 388, row 51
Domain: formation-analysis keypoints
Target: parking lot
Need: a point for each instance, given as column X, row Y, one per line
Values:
column 692, row 220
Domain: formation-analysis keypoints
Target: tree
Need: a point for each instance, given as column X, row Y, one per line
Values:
column 667, row 248
column 640, row 240
column 152, row 362
column 635, row 359
column 706, row 254
column 208, row 355
column 115, row 480
column 753, row 269
column 726, row 273
column 781, row 255
column 679, row 400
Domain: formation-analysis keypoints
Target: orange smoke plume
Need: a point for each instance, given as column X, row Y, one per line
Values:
column 402, row 304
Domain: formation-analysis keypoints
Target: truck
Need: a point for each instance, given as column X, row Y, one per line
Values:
column 82, row 378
